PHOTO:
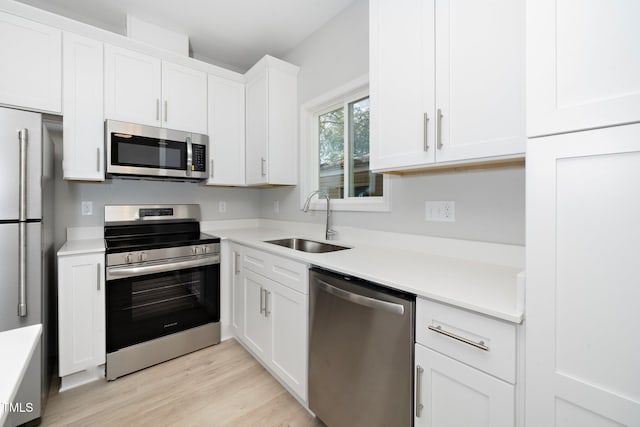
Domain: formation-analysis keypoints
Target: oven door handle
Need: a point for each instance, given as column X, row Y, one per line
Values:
column 122, row 272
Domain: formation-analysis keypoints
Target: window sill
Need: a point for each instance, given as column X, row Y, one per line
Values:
column 371, row 204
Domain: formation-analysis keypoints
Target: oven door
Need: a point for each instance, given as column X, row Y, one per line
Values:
column 142, row 307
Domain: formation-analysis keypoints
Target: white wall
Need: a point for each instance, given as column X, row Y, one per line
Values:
column 241, row 202
column 489, row 203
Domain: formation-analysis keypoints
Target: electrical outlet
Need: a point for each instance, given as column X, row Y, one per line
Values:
column 222, row 207
column 276, row 206
column 440, row 211
column 87, row 208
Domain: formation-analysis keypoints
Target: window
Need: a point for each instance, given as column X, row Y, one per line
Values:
column 336, row 151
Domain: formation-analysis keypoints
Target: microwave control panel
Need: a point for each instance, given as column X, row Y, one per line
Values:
column 199, row 158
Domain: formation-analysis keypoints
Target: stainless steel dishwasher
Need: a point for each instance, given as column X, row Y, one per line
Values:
column 361, row 339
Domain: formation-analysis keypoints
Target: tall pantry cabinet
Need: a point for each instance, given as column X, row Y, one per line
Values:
column 583, row 205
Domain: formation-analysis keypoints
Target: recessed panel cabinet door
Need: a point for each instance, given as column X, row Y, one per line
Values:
column 83, row 122
column 452, row 394
column 402, row 83
column 257, row 127
column 480, row 79
column 289, row 313
column 184, row 98
column 226, row 132
column 31, row 65
column 81, row 308
column 132, row 87
column 583, row 241
column 257, row 324
column 583, row 64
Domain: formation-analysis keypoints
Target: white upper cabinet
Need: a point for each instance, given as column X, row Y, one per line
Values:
column 142, row 89
column 226, row 132
column 402, row 76
column 132, row 87
column 447, row 82
column 82, row 100
column 184, row 98
column 583, row 65
column 480, row 79
column 30, row 69
column 271, row 123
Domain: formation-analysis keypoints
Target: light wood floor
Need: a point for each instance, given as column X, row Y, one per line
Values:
column 221, row 385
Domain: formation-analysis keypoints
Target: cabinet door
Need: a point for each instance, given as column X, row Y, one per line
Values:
column 81, row 312
column 480, row 79
column 450, row 394
column 83, row 125
column 583, row 64
column 257, row 129
column 184, row 98
column 132, row 87
column 237, row 291
column 582, row 279
column 31, row 66
column 282, row 128
column 257, row 324
column 226, row 132
column 288, row 311
column 402, row 83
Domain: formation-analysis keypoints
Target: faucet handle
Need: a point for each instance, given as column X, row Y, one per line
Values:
column 331, row 234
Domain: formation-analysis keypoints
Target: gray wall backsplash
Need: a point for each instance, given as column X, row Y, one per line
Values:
column 490, row 204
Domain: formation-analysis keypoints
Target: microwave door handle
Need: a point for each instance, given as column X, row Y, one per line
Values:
column 189, row 156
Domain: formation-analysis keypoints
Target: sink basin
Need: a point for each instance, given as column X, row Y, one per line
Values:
column 305, row 245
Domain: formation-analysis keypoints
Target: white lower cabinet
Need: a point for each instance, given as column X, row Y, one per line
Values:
column 81, row 312
column 270, row 313
column 465, row 368
column 452, row 394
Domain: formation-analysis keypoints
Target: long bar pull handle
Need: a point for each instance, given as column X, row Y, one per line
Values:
column 98, row 159
column 99, row 279
column 360, row 299
column 419, row 405
column 426, row 132
column 157, row 108
column 23, row 136
column 481, row 345
column 236, row 264
column 166, row 114
column 262, row 310
column 263, row 162
column 211, row 171
column 266, row 303
column 439, row 129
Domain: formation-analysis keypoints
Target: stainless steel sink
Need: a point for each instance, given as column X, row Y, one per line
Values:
column 305, row 245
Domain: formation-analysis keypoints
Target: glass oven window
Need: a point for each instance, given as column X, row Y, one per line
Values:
column 148, row 152
column 151, row 306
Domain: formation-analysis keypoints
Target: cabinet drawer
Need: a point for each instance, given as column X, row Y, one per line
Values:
column 479, row 341
column 290, row 273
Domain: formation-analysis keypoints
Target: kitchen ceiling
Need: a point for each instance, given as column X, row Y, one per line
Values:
column 229, row 33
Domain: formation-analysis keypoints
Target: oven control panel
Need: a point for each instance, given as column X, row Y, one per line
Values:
column 164, row 254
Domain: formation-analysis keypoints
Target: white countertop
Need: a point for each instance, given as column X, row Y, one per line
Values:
column 83, row 246
column 16, row 349
column 480, row 286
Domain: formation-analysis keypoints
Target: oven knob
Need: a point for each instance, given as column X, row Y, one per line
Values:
column 206, row 249
column 142, row 256
column 194, row 250
column 129, row 258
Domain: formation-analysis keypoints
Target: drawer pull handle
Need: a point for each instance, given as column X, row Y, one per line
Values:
column 439, row 330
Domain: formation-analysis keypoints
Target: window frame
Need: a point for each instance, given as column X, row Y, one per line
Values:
column 340, row 97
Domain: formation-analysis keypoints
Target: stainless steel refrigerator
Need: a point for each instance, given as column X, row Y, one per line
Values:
column 26, row 245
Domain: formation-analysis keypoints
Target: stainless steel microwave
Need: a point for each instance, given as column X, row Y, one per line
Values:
column 146, row 151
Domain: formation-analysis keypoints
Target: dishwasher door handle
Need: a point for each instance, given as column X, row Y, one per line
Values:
column 361, row 299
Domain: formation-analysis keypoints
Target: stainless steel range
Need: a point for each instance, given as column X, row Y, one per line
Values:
column 163, row 285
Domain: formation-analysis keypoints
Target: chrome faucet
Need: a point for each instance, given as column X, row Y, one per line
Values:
column 329, row 233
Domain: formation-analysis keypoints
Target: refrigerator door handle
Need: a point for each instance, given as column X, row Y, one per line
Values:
column 23, row 136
